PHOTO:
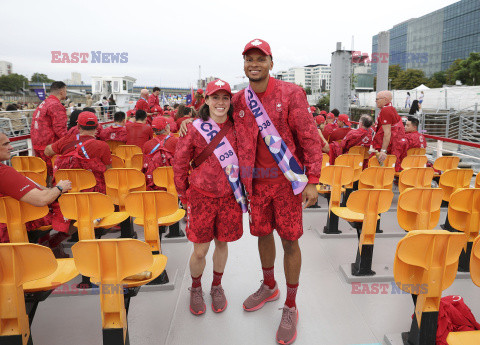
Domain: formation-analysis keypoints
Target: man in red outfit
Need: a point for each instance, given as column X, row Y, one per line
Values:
column 343, row 127
column 357, row 137
column 330, row 126
column 153, row 100
column 413, row 138
column 389, row 130
column 143, row 104
column 49, row 122
column 117, row 131
column 138, row 132
column 272, row 202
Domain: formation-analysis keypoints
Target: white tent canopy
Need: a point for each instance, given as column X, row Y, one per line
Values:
column 421, row 88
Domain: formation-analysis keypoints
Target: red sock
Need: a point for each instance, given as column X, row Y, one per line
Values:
column 268, row 277
column 217, row 278
column 291, row 295
column 196, row 282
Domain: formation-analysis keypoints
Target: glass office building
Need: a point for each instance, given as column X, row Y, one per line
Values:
column 432, row 42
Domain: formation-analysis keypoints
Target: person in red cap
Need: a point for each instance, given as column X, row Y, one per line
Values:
column 207, row 193
column 389, row 130
column 343, row 127
column 313, row 110
column 49, row 122
column 80, row 151
column 117, row 131
column 142, row 104
column 159, row 151
column 138, row 132
column 273, row 201
column 330, row 125
column 169, row 117
column 356, row 137
column 198, row 99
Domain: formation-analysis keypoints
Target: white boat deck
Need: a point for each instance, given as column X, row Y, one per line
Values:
column 330, row 314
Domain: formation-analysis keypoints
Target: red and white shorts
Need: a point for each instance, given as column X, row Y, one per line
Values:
column 209, row 218
column 274, row 206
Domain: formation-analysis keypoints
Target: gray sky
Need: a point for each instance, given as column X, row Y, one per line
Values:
column 166, row 41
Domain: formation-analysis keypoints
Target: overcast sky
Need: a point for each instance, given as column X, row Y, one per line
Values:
column 166, row 41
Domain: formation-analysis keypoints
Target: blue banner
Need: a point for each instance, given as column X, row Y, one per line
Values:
column 41, row 94
column 189, row 99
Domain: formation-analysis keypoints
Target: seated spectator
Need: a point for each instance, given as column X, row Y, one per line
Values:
column 117, row 131
column 183, row 114
column 159, row 151
column 330, row 125
column 414, row 139
column 168, row 115
column 17, row 186
column 357, row 137
column 153, row 100
column 142, row 104
column 138, row 132
column 343, row 127
column 320, row 122
column 72, row 121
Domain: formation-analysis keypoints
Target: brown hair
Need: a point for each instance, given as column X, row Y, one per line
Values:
column 180, row 112
column 204, row 112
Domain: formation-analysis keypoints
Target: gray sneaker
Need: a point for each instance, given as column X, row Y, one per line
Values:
column 197, row 305
column 256, row 300
column 287, row 331
column 219, row 301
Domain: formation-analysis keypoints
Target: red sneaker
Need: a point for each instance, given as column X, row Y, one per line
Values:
column 197, row 305
column 257, row 300
column 287, row 331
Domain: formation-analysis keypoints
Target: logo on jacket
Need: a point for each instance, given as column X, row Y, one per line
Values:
column 279, row 107
column 241, row 113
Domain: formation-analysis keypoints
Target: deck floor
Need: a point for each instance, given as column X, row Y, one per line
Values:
column 330, row 314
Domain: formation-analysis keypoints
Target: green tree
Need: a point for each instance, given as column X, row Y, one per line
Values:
column 469, row 72
column 13, row 82
column 450, row 72
column 324, row 102
column 308, row 90
column 409, row 79
column 394, row 71
column 41, row 78
column 438, row 79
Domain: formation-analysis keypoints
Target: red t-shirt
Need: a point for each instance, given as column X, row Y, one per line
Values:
column 170, row 144
column 338, row 134
column 138, row 133
column 180, row 120
column 14, row 184
column 94, row 148
column 387, row 116
column 118, row 133
column 266, row 169
column 142, row 105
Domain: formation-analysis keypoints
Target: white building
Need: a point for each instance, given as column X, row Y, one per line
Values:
column 76, row 79
column 316, row 77
column 202, row 83
column 5, row 68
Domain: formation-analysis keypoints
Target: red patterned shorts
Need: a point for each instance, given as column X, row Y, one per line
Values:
column 209, row 218
column 274, row 206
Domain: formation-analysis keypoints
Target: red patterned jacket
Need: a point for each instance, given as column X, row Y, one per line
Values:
column 356, row 137
column 288, row 109
column 209, row 178
column 415, row 140
column 49, row 123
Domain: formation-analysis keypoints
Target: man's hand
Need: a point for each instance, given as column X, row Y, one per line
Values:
column 381, row 157
column 309, row 195
column 66, row 185
column 183, row 127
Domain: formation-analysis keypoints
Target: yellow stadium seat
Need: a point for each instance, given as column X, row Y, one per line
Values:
column 35, row 177
column 453, row 179
column 414, row 161
column 113, row 144
column 388, row 162
column 369, row 203
column 120, row 182
column 376, row 178
column 131, row 155
column 445, row 163
column 163, row 177
column 335, row 176
column 359, row 150
column 464, row 215
column 87, row 208
column 416, row 151
column 463, row 338
column 426, row 264
column 81, row 179
column 29, row 163
column 322, row 189
column 477, row 181
column 415, row 178
column 20, row 263
column 110, row 263
column 15, row 214
column 352, row 160
column 419, row 208
column 117, row 162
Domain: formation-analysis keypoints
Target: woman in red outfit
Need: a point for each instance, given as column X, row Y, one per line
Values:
column 208, row 194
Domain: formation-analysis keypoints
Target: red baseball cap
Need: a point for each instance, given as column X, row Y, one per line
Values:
column 319, row 119
column 313, row 109
column 344, row 119
column 159, row 123
column 258, row 44
column 87, row 118
column 218, row 85
column 330, row 116
column 323, row 112
column 200, row 91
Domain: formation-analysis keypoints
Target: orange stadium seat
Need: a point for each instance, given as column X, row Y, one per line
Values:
column 415, row 178
column 417, row 151
column 81, row 179
column 388, row 162
column 419, row 208
column 29, row 163
column 113, row 144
